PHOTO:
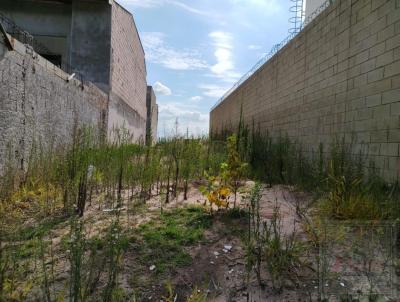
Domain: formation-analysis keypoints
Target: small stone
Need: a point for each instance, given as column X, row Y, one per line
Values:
column 152, row 267
column 342, row 284
column 216, row 254
column 225, row 251
column 228, row 247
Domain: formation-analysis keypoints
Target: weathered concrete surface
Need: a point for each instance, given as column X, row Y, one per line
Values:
column 79, row 31
column 122, row 116
column 90, row 47
column 38, row 106
column 152, row 116
column 340, row 77
column 46, row 21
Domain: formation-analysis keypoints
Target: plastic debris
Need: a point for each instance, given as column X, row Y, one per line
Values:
column 227, row 247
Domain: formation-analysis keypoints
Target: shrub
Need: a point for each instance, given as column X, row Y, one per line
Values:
column 350, row 198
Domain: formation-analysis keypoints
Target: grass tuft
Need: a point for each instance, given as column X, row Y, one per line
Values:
column 162, row 242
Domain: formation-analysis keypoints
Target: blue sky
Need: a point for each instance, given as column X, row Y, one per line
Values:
column 196, row 50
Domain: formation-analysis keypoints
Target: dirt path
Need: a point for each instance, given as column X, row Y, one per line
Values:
column 219, row 266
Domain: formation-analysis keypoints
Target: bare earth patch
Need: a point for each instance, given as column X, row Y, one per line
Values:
column 218, row 264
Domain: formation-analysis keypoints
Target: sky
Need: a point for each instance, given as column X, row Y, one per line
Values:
column 196, row 50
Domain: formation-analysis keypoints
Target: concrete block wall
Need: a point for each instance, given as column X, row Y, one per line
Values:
column 128, row 75
column 152, row 116
column 38, row 105
column 338, row 78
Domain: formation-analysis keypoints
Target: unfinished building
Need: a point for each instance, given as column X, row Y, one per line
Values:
column 92, row 45
column 98, row 41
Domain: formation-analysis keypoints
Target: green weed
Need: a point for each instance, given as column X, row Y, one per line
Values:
column 161, row 243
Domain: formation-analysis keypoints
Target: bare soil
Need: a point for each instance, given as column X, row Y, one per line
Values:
column 219, row 272
column 218, row 267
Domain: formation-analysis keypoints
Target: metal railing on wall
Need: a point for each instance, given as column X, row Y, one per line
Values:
column 274, row 50
column 298, row 16
column 26, row 38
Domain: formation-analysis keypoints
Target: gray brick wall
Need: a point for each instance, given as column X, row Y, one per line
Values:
column 340, row 77
column 128, row 75
column 38, row 105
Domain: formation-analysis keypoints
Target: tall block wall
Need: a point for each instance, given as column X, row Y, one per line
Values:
column 339, row 77
column 128, row 75
column 39, row 106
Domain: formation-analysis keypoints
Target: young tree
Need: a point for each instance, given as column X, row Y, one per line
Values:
column 234, row 169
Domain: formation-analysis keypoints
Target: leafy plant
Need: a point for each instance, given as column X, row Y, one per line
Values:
column 350, row 199
column 254, row 241
column 234, row 169
column 220, row 187
column 216, row 192
column 116, row 244
column 282, row 253
column 268, row 248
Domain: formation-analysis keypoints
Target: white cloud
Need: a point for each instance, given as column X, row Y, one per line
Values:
column 142, row 3
column 213, row 91
column 224, row 68
column 222, row 39
column 251, row 14
column 189, row 120
column 268, row 6
column 161, row 89
column 152, row 39
column 158, row 3
column 196, row 98
column 254, row 47
column 158, row 52
column 191, row 9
